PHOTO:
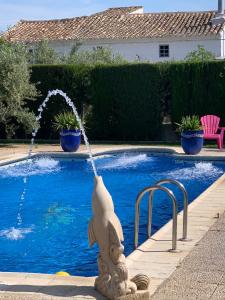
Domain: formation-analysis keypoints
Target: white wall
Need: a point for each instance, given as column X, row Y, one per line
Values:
column 222, row 35
column 148, row 49
column 138, row 11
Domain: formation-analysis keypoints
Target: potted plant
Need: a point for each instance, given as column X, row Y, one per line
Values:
column 191, row 134
column 70, row 133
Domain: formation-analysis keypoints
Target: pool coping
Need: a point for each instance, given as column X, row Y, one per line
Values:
column 120, row 149
column 145, row 257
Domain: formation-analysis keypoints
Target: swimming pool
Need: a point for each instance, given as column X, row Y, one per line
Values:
column 57, row 206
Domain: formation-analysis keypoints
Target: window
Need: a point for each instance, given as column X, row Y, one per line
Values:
column 164, row 51
column 97, row 48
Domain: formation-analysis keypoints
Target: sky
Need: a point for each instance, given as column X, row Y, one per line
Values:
column 11, row 11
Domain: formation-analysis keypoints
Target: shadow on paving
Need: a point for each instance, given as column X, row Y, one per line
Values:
column 64, row 291
column 7, row 146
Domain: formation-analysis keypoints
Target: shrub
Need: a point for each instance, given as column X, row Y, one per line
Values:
column 66, row 120
column 99, row 55
column 189, row 123
column 15, row 87
column 200, row 55
column 43, row 54
column 126, row 102
column 197, row 89
column 73, row 80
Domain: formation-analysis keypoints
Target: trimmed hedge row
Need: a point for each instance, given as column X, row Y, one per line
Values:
column 73, row 80
column 129, row 101
column 125, row 99
column 126, row 102
column 197, row 88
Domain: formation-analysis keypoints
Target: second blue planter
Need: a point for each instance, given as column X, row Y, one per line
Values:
column 192, row 141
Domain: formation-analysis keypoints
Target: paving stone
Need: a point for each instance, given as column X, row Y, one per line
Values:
column 222, row 281
column 201, row 275
column 209, row 277
column 219, row 225
column 175, row 291
column 219, row 293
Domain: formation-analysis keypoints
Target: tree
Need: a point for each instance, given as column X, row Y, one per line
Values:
column 199, row 55
column 44, row 54
column 98, row 55
column 15, row 87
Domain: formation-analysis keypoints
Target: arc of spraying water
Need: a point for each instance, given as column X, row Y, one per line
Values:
column 71, row 104
column 34, row 133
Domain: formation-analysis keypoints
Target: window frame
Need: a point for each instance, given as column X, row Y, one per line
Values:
column 164, row 50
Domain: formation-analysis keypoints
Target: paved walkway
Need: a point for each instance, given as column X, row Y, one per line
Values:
column 25, row 286
column 201, row 275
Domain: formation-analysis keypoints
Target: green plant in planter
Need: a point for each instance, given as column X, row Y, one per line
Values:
column 70, row 133
column 66, row 120
column 189, row 123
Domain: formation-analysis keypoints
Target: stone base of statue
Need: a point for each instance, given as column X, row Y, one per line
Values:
column 139, row 295
column 105, row 229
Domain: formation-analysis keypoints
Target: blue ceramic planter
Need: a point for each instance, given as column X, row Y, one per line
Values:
column 192, row 141
column 70, row 140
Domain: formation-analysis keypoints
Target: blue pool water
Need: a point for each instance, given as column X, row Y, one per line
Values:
column 57, row 206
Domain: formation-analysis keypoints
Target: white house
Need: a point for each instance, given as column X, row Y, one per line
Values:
column 130, row 32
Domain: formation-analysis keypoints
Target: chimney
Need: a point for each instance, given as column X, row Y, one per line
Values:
column 220, row 7
column 219, row 17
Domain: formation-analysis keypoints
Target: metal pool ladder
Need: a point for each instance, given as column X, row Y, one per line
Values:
column 185, row 201
column 151, row 190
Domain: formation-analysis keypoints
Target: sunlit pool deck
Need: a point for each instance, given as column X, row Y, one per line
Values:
column 151, row 258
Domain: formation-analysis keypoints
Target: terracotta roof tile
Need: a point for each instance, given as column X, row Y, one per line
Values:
column 116, row 23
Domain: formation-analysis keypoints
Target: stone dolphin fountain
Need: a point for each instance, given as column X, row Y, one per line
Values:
column 105, row 229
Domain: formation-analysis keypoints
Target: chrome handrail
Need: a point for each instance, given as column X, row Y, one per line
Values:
column 151, row 189
column 185, row 199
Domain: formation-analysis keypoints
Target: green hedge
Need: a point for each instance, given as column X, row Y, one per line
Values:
column 73, row 80
column 126, row 102
column 197, row 88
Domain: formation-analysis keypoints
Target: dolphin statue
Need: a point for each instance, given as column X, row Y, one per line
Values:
column 105, row 229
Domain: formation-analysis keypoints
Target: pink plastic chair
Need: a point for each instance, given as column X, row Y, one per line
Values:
column 210, row 124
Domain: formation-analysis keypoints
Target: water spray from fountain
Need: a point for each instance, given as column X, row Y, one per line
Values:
column 71, row 104
column 35, row 130
column 34, row 133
